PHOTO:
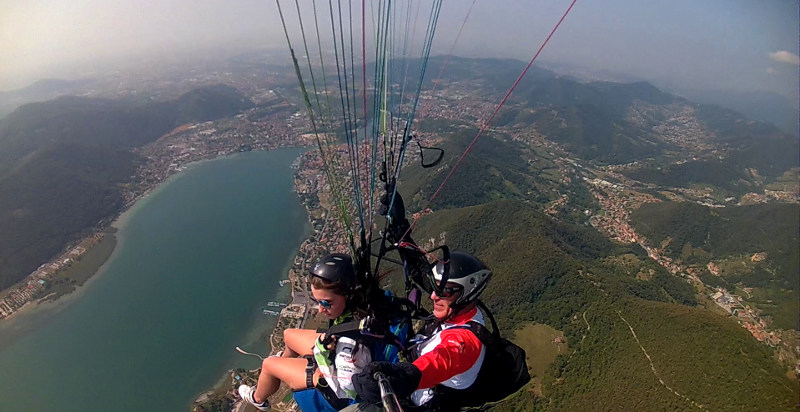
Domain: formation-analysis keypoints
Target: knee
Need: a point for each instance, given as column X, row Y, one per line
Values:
column 267, row 363
column 288, row 334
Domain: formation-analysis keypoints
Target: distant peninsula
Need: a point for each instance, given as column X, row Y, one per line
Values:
column 60, row 192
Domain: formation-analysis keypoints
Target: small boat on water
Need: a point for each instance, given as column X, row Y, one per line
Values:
column 275, row 304
column 271, row 312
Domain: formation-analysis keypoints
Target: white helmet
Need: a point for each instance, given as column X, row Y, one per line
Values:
column 465, row 270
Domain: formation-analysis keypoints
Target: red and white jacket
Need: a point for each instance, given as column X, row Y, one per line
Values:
column 450, row 356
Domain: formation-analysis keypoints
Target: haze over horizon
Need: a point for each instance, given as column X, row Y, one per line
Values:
column 732, row 45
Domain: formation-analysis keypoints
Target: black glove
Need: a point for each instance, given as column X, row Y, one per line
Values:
column 404, row 378
column 398, row 207
column 397, row 214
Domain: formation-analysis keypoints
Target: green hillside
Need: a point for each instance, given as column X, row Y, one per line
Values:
column 528, row 251
column 554, row 273
column 497, row 167
column 722, row 174
column 730, row 237
column 755, row 151
column 702, row 359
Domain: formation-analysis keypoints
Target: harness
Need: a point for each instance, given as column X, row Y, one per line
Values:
column 503, row 372
column 324, row 392
column 386, row 329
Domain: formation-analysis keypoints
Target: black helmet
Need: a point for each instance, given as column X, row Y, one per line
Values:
column 466, row 271
column 336, row 267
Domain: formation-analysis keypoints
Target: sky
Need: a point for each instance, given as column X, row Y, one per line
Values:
column 738, row 45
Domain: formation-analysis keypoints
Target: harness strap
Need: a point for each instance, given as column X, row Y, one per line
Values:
column 342, row 328
column 311, row 367
column 360, row 330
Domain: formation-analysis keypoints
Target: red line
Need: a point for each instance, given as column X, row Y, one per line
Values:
column 502, row 102
column 486, row 124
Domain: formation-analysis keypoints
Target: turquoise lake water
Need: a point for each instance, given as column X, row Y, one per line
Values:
column 196, row 260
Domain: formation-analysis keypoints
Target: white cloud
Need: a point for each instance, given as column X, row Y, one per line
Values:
column 771, row 71
column 784, row 56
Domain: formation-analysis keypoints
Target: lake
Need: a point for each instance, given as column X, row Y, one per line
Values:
column 196, row 259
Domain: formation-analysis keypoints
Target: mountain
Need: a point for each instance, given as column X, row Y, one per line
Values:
column 573, row 279
column 57, row 195
column 754, row 246
column 673, row 142
column 111, row 124
column 761, row 106
column 769, row 107
column 640, row 337
column 63, row 164
column 42, row 90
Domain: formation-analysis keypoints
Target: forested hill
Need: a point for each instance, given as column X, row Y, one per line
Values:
column 663, row 139
column 567, row 166
column 111, row 124
column 571, row 278
column 752, row 246
column 62, row 163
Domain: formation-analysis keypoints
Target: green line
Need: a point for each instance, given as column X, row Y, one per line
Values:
column 334, row 186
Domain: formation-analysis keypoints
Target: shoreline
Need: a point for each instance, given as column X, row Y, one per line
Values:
column 321, row 229
column 164, row 158
column 68, row 278
column 298, row 311
column 35, row 288
column 35, row 312
column 212, row 270
column 109, row 229
column 295, row 314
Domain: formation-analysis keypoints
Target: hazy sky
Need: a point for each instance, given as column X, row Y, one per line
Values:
column 745, row 45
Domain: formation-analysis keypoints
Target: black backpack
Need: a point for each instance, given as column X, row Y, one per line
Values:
column 503, row 372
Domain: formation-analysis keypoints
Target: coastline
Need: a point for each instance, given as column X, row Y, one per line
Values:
column 324, row 234
column 198, row 262
column 295, row 314
column 35, row 312
column 184, row 147
column 73, row 277
column 103, row 238
column 38, row 286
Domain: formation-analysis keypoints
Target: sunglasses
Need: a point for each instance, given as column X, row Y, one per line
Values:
column 448, row 291
column 322, row 302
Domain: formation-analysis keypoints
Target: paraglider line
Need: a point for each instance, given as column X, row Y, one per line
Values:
column 446, row 62
column 497, row 109
column 502, row 102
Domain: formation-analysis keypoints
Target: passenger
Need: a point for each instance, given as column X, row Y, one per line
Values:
column 448, row 355
column 305, row 361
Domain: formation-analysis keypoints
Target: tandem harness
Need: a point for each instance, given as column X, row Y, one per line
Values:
column 319, row 397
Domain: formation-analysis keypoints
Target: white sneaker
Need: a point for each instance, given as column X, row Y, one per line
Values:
column 248, row 393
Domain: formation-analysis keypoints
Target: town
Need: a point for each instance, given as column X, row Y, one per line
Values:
column 276, row 123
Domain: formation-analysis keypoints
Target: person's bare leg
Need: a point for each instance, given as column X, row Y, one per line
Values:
column 274, row 370
column 299, row 342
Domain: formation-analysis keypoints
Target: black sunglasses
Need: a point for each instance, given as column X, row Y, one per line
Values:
column 448, row 291
column 322, row 302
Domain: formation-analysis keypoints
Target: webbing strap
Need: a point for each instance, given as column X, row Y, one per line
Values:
column 311, row 367
column 343, row 328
